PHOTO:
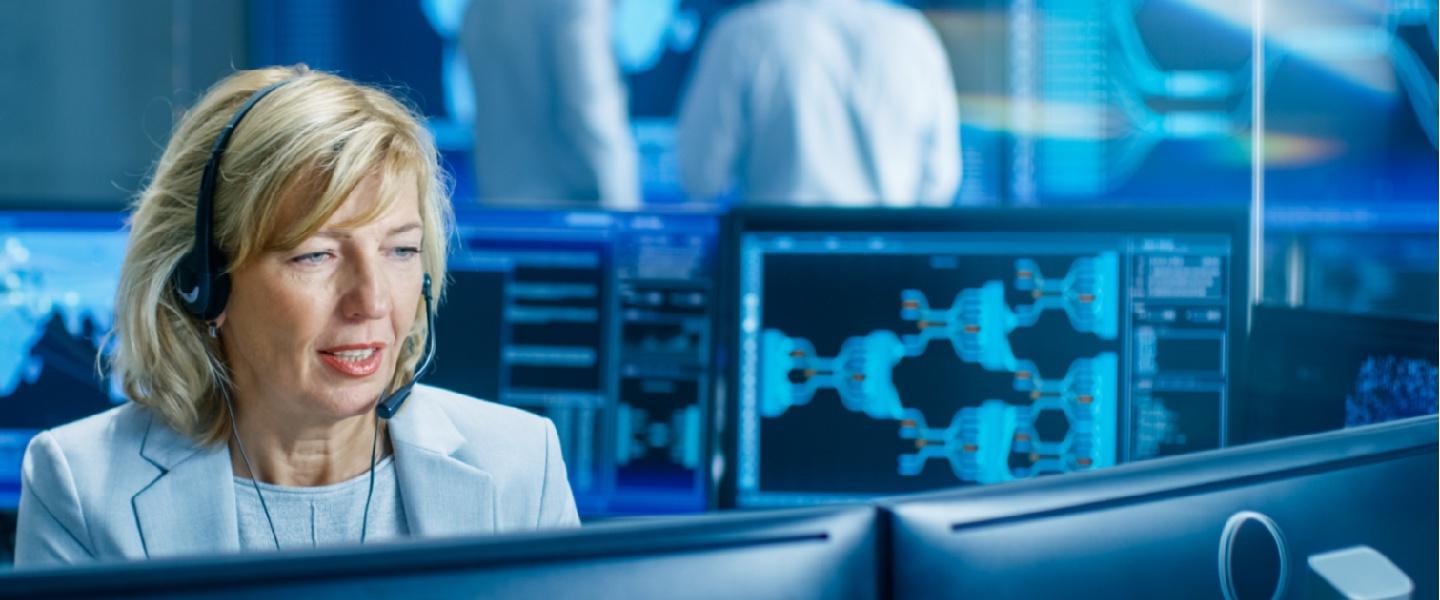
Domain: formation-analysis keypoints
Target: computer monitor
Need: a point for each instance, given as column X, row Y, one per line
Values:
column 601, row 321
column 58, row 275
column 806, row 553
column 1181, row 526
column 1312, row 371
column 892, row 351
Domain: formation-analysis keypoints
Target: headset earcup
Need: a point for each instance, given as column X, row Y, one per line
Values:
column 186, row 283
column 200, row 278
column 219, row 295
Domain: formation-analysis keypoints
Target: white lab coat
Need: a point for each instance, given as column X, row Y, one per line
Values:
column 822, row 102
column 550, row 106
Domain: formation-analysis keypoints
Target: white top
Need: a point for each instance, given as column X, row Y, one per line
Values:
column 326, row 515
column 822, row 102
column 550, row 107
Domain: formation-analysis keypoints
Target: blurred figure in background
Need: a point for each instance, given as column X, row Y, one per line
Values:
column 810, row 102
column 550, row 105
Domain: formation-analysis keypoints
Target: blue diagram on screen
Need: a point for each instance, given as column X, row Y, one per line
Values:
column 978, row 441
column 58, row 275
column 601, row 322
column 1102, row 109
column 1354, row 99
column 1037, row 361
column 1109, row 95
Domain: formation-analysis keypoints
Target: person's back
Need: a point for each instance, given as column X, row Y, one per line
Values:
column 846, row 102
column 550, row 120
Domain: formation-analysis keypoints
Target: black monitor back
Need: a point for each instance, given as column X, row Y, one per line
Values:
column 1154, row 529
column 829, row 553
column 1310, row 371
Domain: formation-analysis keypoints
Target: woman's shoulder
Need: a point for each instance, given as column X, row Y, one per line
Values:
column 518, row 452
column 458, row 403
column 478, row 417
column 84, row 465
column 102, row 434
column 502, row 440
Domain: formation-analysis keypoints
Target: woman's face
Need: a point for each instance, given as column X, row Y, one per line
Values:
column 315, row 331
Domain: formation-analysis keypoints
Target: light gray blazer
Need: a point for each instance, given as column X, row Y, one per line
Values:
column 123, row 485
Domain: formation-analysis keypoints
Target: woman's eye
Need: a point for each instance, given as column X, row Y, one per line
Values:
column 407, row 251
column 311, row 258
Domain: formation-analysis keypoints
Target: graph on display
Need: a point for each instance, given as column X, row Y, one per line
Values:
column 58, row 275
column 601, row 322
column 884, row 363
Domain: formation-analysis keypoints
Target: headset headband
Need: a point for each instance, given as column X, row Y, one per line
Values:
column 200, row 278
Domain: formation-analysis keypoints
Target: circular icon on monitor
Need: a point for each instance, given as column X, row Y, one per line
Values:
column 1254, row 562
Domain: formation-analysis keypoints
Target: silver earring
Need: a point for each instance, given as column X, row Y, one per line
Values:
column 214, row 330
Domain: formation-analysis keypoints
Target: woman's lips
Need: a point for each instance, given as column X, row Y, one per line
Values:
column 354, row 361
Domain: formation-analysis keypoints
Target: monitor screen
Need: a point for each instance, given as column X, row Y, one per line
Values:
column 58, row 275
column 1104, row 99
column 1312, row 371
column 601, row 322
column 1156, row 529
column 886, row 352
column 1351, row 126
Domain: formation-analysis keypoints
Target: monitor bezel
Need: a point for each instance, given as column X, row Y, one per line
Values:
column 846, row 529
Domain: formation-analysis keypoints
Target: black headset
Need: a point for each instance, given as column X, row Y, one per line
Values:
column 200, row 278
column 203, row 285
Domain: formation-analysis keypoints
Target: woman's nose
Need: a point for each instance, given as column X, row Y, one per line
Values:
column 368, row 294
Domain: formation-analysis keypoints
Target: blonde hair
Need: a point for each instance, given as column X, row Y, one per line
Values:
column 290, row 165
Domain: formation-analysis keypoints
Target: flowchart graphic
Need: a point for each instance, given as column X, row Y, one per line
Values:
column 861, row 373
column 984, row 443
column 979, row 322
column 997, row 440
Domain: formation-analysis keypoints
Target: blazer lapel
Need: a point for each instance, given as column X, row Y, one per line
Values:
column 190, row 507
column 442, row 494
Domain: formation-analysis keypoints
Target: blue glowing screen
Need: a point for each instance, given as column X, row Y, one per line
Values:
column 886, row 362
column 58, row 274
column 601, row 322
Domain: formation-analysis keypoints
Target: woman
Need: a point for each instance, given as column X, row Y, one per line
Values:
column 255, row 343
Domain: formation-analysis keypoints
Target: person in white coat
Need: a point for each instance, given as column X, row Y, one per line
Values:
column 551, row 120
column 821, row 102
